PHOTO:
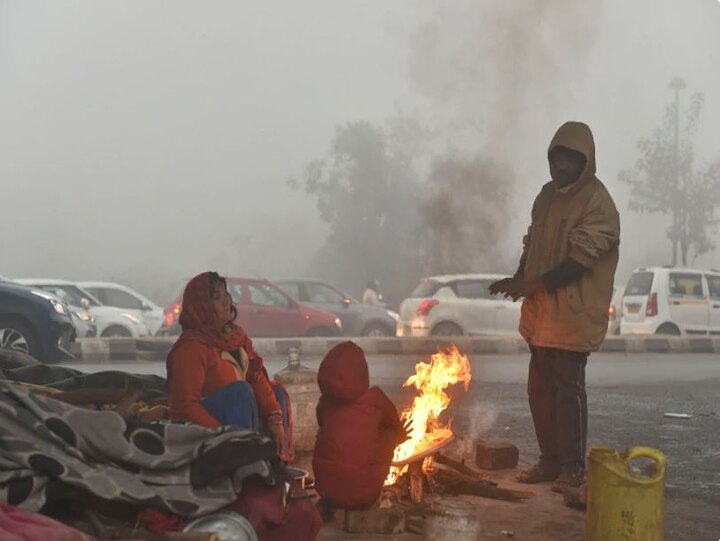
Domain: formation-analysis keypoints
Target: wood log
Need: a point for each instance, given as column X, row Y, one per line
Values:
column 450, row 481
column 462, row 468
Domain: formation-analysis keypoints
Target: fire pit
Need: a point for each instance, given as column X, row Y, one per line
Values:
column 415, row 465
column 419, row 462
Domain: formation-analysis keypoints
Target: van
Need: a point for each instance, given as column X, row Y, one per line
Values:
column 671, row 301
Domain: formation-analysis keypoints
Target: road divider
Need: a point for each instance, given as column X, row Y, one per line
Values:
column 157, row 348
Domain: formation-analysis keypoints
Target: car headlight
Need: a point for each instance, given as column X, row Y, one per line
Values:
column 393, row 315
column 132, row 318
column 338, row 323
column 84, row 316
column 56, row 304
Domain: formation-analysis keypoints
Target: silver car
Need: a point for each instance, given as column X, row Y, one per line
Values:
column 358, row 319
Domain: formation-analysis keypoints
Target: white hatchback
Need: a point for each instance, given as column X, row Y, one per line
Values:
column 120, row 296
column 458, row 304
column 667, row 300
column 110, row 321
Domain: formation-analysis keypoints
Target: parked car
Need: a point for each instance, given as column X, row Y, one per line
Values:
column 35, row 322
column 83, row 322
column 110, row 321
column 458, row 304
column 615, row 311
column 265, row 310
column 357, row 319
column 120, row 296
column 674, row 301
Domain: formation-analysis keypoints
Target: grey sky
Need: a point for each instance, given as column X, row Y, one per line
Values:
column 146, row 141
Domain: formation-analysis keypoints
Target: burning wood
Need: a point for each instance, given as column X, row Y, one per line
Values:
column 417, row 463
column 428, row 435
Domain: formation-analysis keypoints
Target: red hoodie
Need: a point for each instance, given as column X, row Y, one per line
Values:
column 359, row 428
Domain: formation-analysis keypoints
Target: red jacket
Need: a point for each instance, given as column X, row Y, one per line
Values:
column 359, row 428
column 196, row 370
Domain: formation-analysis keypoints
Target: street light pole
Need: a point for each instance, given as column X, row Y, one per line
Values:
column 677, row 84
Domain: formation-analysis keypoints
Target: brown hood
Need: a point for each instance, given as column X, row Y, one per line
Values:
column 343, row 374
column 578, row 137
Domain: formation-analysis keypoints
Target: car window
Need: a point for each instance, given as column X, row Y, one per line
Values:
column 266, row 295
column 118, row 298
column 70, row 294
column 291, row 288
column 685, row 285
column 236, row 291
column 473, row 289
column 426, row 288
column 322, row 294
column 713, row 286
column 640, row 283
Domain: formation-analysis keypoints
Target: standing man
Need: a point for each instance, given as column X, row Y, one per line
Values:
column 566, row 280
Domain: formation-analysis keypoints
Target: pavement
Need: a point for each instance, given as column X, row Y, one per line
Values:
column 627, row 397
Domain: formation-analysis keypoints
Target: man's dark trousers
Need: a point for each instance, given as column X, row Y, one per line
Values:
column 558, row 403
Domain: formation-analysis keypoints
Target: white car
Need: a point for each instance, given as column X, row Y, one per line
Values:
column 110, row 321
column 667, row 300
column 120, row 296
column 458, row 304
column 615, row 311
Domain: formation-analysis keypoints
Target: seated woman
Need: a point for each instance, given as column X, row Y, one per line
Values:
column 214, row 376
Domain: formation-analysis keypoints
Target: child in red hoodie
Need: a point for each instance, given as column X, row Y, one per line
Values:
column 359, row 429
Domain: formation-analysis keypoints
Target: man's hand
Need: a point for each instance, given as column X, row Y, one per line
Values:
column 515, row 288
column 501, row 286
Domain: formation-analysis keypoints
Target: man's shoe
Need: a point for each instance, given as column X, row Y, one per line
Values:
column 541, row 472
column 568, row 480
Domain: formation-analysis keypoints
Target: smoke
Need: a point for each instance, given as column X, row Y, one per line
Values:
column 466, row 212
column 483, row 417
column 498, row 67
column 498, row 76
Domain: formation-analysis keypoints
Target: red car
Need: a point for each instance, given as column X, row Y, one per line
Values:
column 265, row 310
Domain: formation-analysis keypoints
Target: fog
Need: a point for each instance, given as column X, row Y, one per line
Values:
column 143, row 142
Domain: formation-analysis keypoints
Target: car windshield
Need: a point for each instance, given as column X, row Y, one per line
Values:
column 72, row 295
column 426, row 288
column 640, row 283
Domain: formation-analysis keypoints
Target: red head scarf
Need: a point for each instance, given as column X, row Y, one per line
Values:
column 197, row 318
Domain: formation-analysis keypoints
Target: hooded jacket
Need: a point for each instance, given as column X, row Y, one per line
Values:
column 359, row 428
column 200, row 362
column 581, row 222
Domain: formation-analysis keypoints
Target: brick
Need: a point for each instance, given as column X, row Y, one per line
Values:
column 496, row 455
column 375, row 521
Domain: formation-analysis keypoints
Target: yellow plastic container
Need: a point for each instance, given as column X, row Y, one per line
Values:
column 623, row 505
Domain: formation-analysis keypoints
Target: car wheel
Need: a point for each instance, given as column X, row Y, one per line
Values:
column 447, row 329
column 18, row 336
column 116, row 331
column 668, row 329
column 377, row 330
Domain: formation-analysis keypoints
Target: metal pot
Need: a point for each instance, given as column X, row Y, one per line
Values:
column 228, row 525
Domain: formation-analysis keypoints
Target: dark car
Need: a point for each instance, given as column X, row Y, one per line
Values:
column 35, row 322
column 357, row 319
column 265, row 310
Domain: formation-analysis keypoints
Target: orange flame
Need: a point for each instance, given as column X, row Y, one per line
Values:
column 431, row 380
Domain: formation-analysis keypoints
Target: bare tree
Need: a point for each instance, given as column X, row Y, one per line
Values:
column 367, row 192
column 665, row 180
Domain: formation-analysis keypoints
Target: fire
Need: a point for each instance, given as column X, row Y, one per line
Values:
column 431, row 380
